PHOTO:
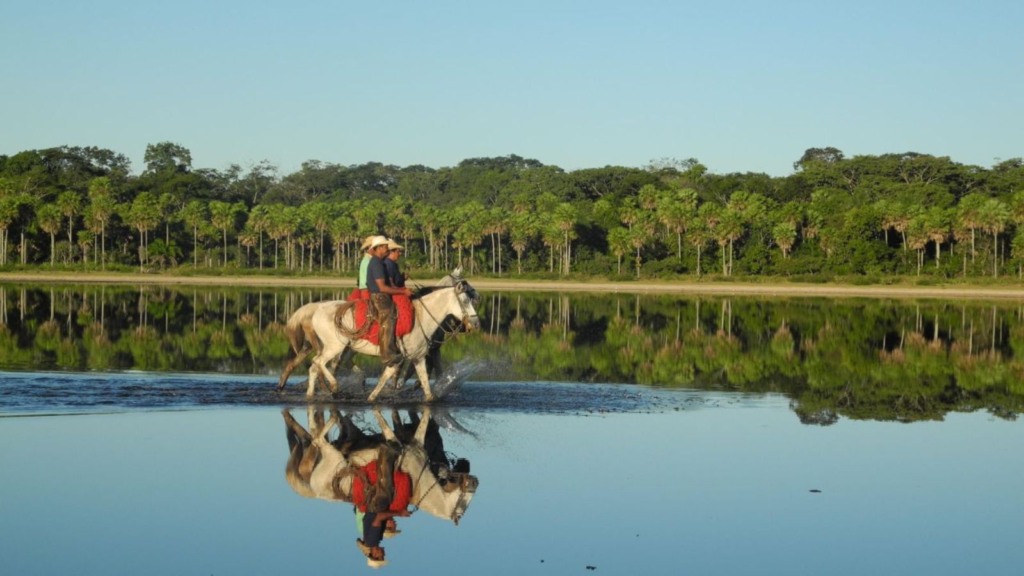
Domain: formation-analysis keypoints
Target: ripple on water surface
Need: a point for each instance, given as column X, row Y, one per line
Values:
column 68, row 393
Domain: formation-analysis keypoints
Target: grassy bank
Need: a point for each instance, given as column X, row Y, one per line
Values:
column 1005, row 288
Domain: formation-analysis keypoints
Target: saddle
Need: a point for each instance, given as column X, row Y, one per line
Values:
column 366, row 325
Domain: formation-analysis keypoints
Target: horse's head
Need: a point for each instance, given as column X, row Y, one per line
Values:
column 461, row 487
column 467, row 298
column 452, row 278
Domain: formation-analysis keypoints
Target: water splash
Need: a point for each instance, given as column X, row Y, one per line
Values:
column 455, row 376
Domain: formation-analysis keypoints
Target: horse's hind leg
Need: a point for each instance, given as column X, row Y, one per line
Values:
column 319, row 368
column 296, row 434
column 300, row 356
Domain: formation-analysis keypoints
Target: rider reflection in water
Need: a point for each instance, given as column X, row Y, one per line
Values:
column 380, row 491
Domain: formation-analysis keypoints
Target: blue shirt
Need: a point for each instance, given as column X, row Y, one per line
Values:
column 374, row 271
column 394, row 274
column 372, row 535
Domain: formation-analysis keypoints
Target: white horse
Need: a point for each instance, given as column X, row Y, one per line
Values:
column 335, row 327
column 303, row 341
column 318, row 468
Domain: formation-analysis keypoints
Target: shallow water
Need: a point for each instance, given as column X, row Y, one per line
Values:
column 165, row 474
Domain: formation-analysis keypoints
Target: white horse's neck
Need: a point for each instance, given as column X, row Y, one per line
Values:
column 431, row 310
column 427, row 493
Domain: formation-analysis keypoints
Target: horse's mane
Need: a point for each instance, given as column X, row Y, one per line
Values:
column 422, row 291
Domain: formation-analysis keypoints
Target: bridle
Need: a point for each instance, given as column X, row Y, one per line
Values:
column 461, row 287
column 463, row 485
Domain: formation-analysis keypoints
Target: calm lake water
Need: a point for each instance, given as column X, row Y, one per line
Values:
column 140, row 433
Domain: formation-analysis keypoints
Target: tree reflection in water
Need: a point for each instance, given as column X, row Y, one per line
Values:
column 883, row 359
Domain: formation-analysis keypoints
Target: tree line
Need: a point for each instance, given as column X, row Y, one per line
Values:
column 873, row 215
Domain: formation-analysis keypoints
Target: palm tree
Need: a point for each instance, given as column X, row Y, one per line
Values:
column 698, row 237
column 342, row 229
column 497, row 224
column 248, row 238
column 784, row 234
column 194, row 215
column 223, row 216
column 565, row 218
column 729, row 228
column 259, row 220
column 320, row 215
column 995, row 215
column 968, row 215
column 8, row 212
column 1017, row 245
column 521, row 229
column 101, row 209
column 469, row 230
column 637, row 239
column 143, row 214
column 676, row 208
column 619, row 244
column 69, row 204
column 937, row 223
column 428, row 217
column 170, row 210
column 709, row 216
column 917, row 237
column 50, row 218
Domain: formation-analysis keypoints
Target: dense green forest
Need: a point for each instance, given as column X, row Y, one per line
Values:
column 876, row 217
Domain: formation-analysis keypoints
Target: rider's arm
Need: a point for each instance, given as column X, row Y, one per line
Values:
column 385, row 289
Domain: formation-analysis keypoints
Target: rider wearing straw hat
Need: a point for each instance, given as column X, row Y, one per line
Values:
column 380, row 295
column 364, row 264
column 395, row 276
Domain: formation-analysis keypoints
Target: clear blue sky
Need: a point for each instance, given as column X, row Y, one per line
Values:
column 739, row 85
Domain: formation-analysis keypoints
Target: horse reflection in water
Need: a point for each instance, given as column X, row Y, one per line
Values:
column 335, row 469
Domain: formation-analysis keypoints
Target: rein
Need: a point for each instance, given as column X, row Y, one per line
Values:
column 445, row 333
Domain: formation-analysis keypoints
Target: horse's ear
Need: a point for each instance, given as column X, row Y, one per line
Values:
column 458, row 271
column 460, row 287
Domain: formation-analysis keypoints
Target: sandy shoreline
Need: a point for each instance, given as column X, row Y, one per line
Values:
column 639, row 287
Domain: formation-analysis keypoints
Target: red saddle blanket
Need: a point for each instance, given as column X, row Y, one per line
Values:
column 403, row 324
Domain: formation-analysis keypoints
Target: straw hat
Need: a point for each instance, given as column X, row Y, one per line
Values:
column 392, row 245
column 366, row 552
column 366, row 243
column 377, row 241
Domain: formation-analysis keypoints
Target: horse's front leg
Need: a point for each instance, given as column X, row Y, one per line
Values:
column 421, row 371
column 388, row 373
column 387, row 431
column 421, row 429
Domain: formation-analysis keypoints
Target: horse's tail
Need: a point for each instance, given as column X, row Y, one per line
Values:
column 301, row 337
column 299, row 446
column 299, row 328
